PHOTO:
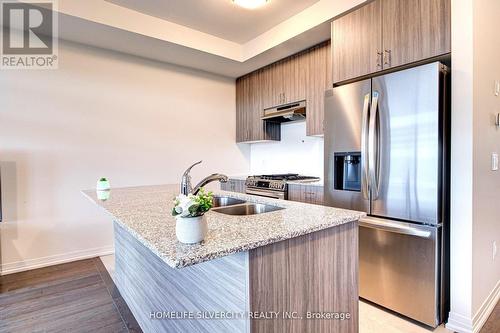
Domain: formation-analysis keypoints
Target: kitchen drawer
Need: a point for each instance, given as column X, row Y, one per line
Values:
column 312, row 194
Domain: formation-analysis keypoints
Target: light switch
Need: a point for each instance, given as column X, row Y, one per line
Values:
column 497, row 88
column 494, row 162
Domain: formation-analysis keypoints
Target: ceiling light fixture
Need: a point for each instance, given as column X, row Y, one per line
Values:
column 250, row 4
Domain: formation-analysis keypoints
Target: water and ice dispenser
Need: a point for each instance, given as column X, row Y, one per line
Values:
column 347, row 171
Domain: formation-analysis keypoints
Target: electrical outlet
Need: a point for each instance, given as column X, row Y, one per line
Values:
column 494, row 250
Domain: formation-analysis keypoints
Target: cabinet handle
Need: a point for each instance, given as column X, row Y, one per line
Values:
column 379, row 59
column 388, row 59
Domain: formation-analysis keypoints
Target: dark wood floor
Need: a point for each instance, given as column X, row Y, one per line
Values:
column 74, row 297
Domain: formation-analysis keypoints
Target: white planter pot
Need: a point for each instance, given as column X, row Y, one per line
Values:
column 103, row 185
column 190, row 230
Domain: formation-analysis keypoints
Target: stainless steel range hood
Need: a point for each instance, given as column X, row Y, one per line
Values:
column 285, row 113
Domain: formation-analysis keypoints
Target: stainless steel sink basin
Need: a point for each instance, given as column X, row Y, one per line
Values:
column 247, row 209
column 226, row 201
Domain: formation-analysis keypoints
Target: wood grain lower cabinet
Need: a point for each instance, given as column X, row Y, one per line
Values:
column 306, row 193
column 234, row 185
column 315, row 273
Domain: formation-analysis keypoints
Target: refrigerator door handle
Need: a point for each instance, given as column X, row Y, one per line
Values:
column 399, row 228
column 373, row 148
column 365, row 189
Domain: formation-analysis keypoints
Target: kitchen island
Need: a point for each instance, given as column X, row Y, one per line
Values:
column 288, row 270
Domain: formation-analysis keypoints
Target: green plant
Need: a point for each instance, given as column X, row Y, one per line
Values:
column 192, row 205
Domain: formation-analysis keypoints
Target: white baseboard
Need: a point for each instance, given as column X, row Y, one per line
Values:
column 26, row 265
column 486, row 308
column 462, row 324
column 459, row 323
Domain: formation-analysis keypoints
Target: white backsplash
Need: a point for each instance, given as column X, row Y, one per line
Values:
column 295, row 153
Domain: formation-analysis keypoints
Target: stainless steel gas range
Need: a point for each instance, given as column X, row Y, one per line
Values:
column 275, row 186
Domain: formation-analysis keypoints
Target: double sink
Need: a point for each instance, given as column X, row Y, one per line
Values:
column 233, row 206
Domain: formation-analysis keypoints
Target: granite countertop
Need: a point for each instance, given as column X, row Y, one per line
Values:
column 145, row 212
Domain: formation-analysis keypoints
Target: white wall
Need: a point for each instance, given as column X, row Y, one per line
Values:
column 461, row 166
column 486, row 227
column 475, row 276
column 295, row 153
column 101, row 114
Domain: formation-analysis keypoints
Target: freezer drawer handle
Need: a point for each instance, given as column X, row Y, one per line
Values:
column 392, row 227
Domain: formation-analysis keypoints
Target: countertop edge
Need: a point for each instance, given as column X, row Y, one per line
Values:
column 178, row 264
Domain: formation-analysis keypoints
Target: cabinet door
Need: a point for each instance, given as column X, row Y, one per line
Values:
column 242, row 98
column 316, row 86
column 241, row 186
column 414, row 30
column 294, row 76
column 271, row 84
column 305, row 193
column 255, row 109
column 329, row 68
column 249, row 110
column 266, row 84
column 288, row 80
column 312, row 194
column 234, row 185
column 278, row 84
column 301, row 65
column 295, row 193
column 356, row 43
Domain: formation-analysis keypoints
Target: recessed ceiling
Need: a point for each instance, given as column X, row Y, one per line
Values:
column 221, row 18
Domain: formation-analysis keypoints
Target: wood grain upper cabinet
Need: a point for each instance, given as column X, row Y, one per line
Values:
column 272, row 84
column 317, row 83
column 357, row 42
column 281, row 82
column 389, row 33
column 414, row 30
column 303, row 76
column 249, row 110
column 242, row 124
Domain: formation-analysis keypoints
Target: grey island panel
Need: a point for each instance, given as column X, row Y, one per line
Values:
column 165, row 299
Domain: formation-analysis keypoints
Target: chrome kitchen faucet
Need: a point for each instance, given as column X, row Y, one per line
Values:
column 186, row 186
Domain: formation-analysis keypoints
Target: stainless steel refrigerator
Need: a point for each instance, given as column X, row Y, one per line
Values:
column 386, row 154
